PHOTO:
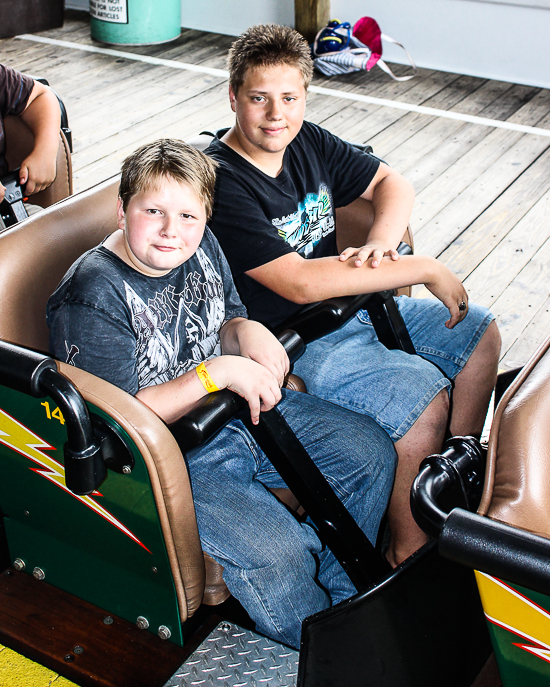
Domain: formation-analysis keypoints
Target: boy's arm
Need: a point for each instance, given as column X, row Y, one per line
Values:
column 254, row 382
column 43, row 117
column 392, row 197
column 252, row 340
column 307, row 281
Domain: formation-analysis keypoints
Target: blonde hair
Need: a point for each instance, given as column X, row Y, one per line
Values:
column 168, row 157
column 267, row 45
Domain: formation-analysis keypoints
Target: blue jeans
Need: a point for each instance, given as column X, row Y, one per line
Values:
column 273, row 564
column 352, row 368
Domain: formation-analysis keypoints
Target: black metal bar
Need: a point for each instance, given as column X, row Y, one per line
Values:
column 84, row 466
column 452, row 478
column 388, row 322
column 212, row 412
column 498, row 549
column 337, row 529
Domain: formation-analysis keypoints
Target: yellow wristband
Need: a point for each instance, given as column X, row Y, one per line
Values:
column 206, row 379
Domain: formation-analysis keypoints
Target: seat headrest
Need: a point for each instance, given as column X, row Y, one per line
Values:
column 36, row 253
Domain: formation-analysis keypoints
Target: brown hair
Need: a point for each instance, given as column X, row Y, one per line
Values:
column 266, row 45
column 168, row 157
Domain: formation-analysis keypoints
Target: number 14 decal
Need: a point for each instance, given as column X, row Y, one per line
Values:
column 55, row 413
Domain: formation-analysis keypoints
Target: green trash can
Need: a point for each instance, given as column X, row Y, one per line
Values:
column 135, row 22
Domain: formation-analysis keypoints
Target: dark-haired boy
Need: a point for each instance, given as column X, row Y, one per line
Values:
column 168, row 327
column 280, row 182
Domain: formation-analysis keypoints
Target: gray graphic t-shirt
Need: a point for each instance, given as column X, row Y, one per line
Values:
column 136, row 331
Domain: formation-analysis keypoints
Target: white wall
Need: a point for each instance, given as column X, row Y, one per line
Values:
column 498, row 39
column 232, row 17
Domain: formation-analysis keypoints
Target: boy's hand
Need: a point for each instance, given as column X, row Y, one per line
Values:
column 38, row 172
column 249, row 379
column 450, row 291
column 2, row 192
column 374, row 249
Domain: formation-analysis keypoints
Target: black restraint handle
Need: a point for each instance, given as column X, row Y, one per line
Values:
column 498, row 549
column 212, row 412
column 12, row 208
column 467, row 538
column 451, row 478
column 37, row 375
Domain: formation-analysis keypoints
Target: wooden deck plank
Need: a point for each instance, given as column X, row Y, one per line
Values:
column 496, row 160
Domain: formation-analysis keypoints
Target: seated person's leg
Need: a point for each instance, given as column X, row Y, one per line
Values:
column 271, row 561
column 406, row 395
column 468, row 354
column 267, row 555
column 358, row 460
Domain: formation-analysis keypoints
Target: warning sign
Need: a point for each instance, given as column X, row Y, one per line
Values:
column 110, row 10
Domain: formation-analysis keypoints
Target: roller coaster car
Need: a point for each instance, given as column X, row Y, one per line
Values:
column 103, row 578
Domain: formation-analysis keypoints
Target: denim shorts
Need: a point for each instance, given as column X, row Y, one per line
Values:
column 352, row 368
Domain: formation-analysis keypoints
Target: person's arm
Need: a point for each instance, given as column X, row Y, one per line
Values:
column 246, row 377
column 307, row 281
column 43, row 117
column 392, row 197
column 252, row 340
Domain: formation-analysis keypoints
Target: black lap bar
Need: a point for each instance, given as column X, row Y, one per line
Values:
column 498, row 549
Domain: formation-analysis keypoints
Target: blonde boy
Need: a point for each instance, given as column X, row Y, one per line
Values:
column 154, row 311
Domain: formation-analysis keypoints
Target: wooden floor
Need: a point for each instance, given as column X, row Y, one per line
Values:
column 482, row 193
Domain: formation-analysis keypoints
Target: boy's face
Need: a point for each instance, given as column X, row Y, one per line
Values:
column 269, row 108
column 162, row 226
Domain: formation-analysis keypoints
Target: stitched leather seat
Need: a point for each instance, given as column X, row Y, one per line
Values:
column 517, row 483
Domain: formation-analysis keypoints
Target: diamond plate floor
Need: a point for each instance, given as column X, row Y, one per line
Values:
column 233, row 657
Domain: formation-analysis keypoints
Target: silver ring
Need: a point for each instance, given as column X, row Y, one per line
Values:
column 462, row 305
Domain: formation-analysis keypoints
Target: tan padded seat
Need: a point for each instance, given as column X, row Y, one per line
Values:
column 517, row 482
column 19, row 143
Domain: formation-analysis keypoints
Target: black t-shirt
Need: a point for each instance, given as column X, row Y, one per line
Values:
column 136, row 331
column 15, row 89
column 258, row 218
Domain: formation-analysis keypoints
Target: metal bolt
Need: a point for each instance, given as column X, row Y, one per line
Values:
column 38, row 573
column 26, row 512
column 69, row 658
column 142, row 623
column 19, row 564
column 164, row 632
column 225, row 627
column 8, row 573
column 108, row 620
column 126, row 469
column 78, row 650
column 154, row 569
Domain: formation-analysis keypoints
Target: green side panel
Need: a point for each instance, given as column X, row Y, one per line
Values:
column 518, row 666
column 108, row 548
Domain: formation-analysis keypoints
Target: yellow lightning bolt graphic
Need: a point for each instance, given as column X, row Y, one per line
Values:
column 19, row 438
column 511, row 610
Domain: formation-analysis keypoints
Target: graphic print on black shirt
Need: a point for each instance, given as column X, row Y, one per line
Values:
column 313, row 220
